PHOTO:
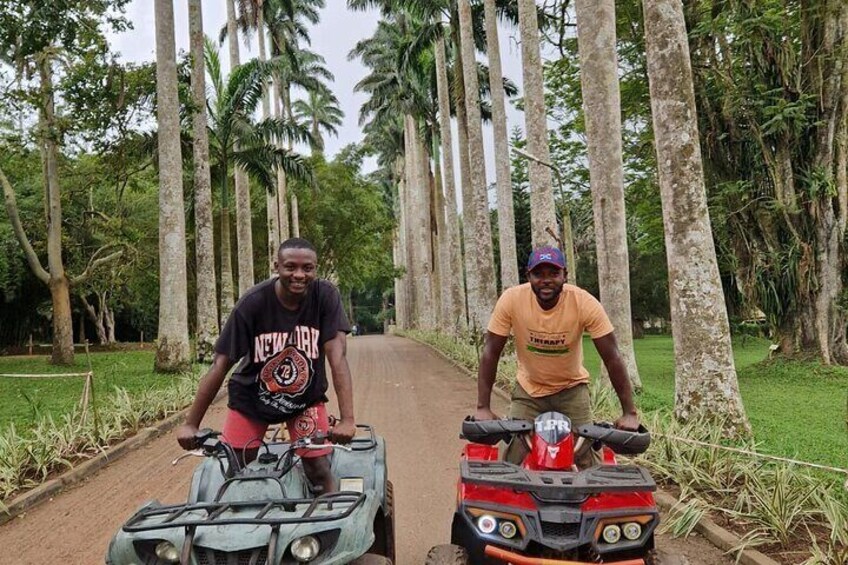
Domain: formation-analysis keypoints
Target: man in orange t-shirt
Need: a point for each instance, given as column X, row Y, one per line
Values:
column 548, row 318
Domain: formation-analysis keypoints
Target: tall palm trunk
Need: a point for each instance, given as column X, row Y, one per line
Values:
column 705, row 375
column 282, row 207
column 481, row 232
column 244, row 232
column 437, row 239
column 472, row 284
column 227, row 284
column 453, row 294
column 541, row 193
column 295, row 220
column 403, row 298
column 506, row 213
column 172, row 352
column 602, row 104
column 207, row 308
column 270, row 195
column 423, row 265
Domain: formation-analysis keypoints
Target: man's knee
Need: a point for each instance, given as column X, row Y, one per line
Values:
column 318, row 470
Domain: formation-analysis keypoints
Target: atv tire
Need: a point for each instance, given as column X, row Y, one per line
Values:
column 372, row 559
column 384, row 528
column 447, row 554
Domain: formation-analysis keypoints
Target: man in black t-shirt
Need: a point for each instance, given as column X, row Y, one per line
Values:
column 281, row 330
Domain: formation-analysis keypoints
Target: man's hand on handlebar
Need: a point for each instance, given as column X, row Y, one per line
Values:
column 485, row 414
column 342, row 431
column 186, row 436
column 629, row 422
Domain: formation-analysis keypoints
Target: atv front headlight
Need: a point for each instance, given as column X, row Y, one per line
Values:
column 507, row 529
column 168, row 552
column 612, row 533
column 487, row 524
column 305, row 549
column 631, row 531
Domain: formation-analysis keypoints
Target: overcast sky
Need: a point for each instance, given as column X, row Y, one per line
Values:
column 334, row 37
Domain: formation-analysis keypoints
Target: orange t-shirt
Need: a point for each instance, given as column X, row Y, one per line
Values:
column 549, row 343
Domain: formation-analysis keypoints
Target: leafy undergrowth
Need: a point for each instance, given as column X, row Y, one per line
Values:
column 790, row 513
column 54, row 434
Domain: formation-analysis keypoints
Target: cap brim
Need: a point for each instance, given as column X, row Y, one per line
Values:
column 553, row 264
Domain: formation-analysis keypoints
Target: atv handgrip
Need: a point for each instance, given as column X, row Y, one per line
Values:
column 623, row 442
column 490, row 432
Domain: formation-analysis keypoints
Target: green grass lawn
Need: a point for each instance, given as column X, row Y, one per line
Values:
column 22, row 401
column 797, row 409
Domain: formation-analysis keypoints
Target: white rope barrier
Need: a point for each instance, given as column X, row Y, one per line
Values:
column 755, row 454
column 44, row 375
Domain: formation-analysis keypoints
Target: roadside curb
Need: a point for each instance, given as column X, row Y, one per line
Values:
column 79, row 473
column 712, row 532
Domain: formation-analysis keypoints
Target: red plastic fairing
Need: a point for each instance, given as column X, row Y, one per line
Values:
column 546, row 456
column 609, row 456
column 617, row 500
column 501, row 497
column 480, row 451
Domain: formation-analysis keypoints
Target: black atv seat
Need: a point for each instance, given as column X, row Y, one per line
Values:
column 490, row 432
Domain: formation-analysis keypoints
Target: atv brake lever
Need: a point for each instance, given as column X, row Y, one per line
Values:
column 194, row 453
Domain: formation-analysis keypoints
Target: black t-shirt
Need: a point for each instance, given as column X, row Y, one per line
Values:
column 281, row 372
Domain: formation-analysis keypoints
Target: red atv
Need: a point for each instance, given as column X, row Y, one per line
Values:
column 546, row 511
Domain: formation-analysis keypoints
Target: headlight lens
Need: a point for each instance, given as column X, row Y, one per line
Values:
column 612, row 533
column 487, row 524
column 631, row 531
column 166, row 551
column 305, row 549
column 507, row 529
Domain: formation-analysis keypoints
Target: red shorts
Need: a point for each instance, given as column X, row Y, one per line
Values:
column 240, row 431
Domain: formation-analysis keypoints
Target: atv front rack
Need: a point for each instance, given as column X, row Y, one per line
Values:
column 557, row 485
column 325, row 508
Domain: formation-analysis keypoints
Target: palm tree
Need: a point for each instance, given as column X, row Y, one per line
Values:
column 321, row 112
column 705, row 374
column 253, row 147
column 602, row 103
column 481, row 288
column 541, row 191
column 172, row 352
column 207, row 305
column 506, row 214
column 244, row 230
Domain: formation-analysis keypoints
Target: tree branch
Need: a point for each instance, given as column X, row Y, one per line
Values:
column 12, row 210
column 94, row 263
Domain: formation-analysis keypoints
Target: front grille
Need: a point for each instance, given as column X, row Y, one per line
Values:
column 560, row 530
column 255, row 556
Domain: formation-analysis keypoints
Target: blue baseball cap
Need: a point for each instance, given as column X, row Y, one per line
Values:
column 545, row 255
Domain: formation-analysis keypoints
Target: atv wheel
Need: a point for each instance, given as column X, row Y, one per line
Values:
column 447, row 555
column 371, row 559
column 384, row 528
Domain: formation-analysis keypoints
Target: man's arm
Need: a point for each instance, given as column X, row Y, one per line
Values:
column 207, row 388
column 608, row 350
column 336, row 352
column 492, row 349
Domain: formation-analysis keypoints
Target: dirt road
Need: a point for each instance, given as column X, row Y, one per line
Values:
column 411, row 396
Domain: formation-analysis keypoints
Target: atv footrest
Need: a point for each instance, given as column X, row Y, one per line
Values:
column 557, row 485
column 325, row 508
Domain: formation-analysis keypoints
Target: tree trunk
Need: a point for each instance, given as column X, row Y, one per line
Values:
column 453, row 293
column 602, row 106
column 282, row 208
column 271, row 208
column 172, row 352
column 403, row 299
column 705, row 375
column 244, row 231
column 541, row 191
column 442, row 288
column 227, row 286
column 63, row 333
column 480, row 231
column 422, row 263
column 207, row 305
column 506, row 213
column 96, row 318
column 295, row 220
